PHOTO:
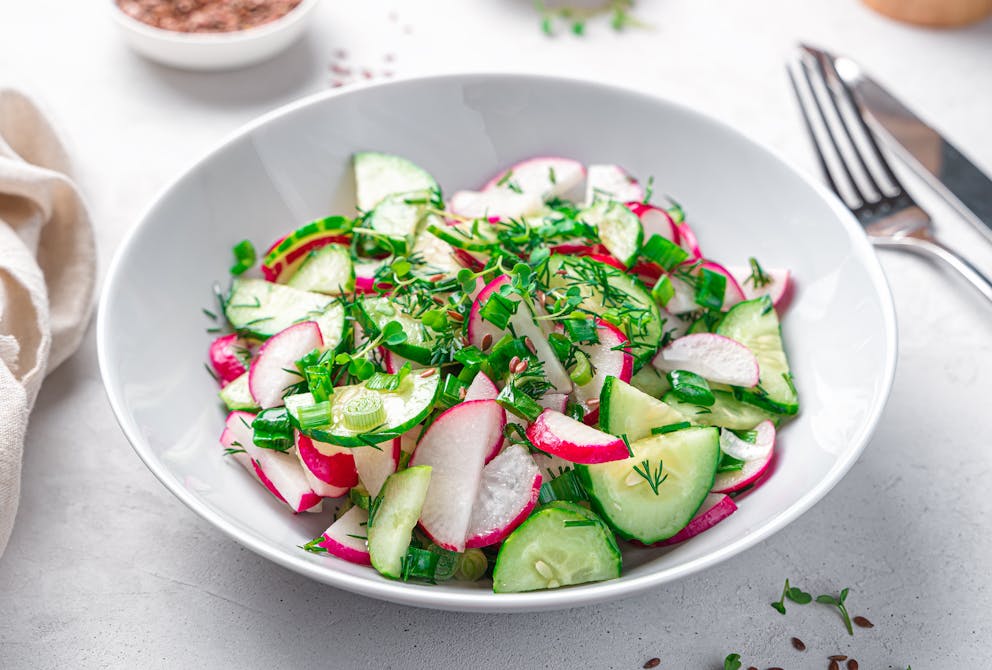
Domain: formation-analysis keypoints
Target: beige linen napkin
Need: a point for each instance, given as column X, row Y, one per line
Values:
column 47, row 276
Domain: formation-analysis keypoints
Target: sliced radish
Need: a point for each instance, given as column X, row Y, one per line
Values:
column 757, row 457
column 523, row 325
column 344, row 538
column 328, row 463
column 688, row 241
column 715, row 357
column 684, row 299
column 608, row 358
column 607, row 259
column 715, row 508
column 543, row 176
column 578, row 249
column 466, row 259
column 456, row 446
column 481, row 388
column 563, row 436
column 613, row 182
column 269, row 376
column 375, row 464
column 556, row 401
column 365, row 272
column 655, row 221
column 226, row 354
column 778, row 288
column 503, row 203
column 237, row 432
column 283, row 475
column 733, row 294
column 507, row 494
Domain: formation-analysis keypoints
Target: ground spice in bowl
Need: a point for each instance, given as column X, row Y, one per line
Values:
column 206, row 16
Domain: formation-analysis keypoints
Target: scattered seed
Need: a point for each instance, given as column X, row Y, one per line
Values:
column 545, row 571
column 852, row 665
column 530, row 345
column 752, row 668
column 837, row 657
column 487, row 341
column 652, row 663
column 462, row 392
column 436, row 278
column 798, row 644
column 834, row 665
column 592, row 403
column 862, row 622
column 439, row 300
column 513, row 363
column 455, row 316
column 429, row 372
column 521, row 367
column 774, row 668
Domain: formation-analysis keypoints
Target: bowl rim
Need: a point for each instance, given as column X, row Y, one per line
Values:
column 598, row 592
column 290, row 18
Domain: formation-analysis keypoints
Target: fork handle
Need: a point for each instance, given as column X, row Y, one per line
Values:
column 925, row 243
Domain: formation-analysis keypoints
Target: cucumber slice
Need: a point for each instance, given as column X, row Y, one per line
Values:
column 374, row 313
column 326, row 270
column 726, row 412
column 237, row 396
column 393, row 517
column 627, row 501
column 625, row 303
column 436, row 255
column 558, row 545
column 403, row 408
column 261, row 309
column 620, row 230
column 400, row 220
column 623, row 410
column 650, row 380
column 754, row 324
column 378, row 175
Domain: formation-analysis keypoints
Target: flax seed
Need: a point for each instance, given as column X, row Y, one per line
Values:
column 652, row 663
column 862, row 622
column 798, row 644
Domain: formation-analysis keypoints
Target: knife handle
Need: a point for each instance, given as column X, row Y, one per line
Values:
column 925, row 243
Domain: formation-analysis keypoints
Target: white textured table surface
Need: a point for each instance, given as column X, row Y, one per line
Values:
column 107, row 569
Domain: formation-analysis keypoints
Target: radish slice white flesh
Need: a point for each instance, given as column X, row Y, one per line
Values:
column 268, row 376
column 502, row 203
column 715, row 508
column 684, row 299
column 611, row 181
column 456, row 447
column 655, row 221
column 607, row 360
column 237, row 431
column 344, row 538
column 224, row 357
column 574, row 441
column 543, row 176
column 757, row 458
column 715, row 357
column 780, row 280
column 283, row 475
column 374, row 465
column 481, row 388
column 556, row 401
column 507, row 493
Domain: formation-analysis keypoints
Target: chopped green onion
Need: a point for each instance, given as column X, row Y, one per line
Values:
column 690, row 387
column 514, row 400
column 384, row 381
column 314, row 416
column 427, row 564
column 244, row 257
column 663, row 290
column 498, row 360
column 447, row 562
column 472, row 565
column 562, row 347
column 728, row 463
column 319, row 382
column 470, row 357
column 575, row 411
column 746, row 435
column 364, row 412
column 675, row 211
column 582, row 329
column 498, row 310
column 710, row 289
column 272, row 429
column 664, row 252
column 451, row 391
column 565, row 486
column 581, row 374
column 670, row 428
column 359, row 497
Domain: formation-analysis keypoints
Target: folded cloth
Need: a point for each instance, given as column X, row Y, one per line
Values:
column 47, row 276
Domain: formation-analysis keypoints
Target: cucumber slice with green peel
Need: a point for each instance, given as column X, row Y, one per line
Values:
column 399, row 217
column 378, row 175
column 236, row 395
column 286, row 255
column 373, row 313
column 755, row 324
column 326, row 270
column 623, row 410
column 400, row 410
column 620, row 230
column 560, row 544
column 392, row 517
column 674, row 473
column 622, row 302
column 261, row 309
column 651, row 381
column 726, row 412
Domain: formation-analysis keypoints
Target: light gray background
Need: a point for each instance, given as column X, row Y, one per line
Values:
column 107, row 569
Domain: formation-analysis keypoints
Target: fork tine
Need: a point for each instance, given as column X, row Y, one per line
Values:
column 812, row 134
column 801, row 63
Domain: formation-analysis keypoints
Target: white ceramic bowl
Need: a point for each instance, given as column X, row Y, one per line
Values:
column 213, row 51
column 292, row 166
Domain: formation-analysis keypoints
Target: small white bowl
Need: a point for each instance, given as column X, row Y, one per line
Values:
column 213, row 51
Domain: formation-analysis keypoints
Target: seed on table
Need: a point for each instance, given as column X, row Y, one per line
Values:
column 776, row 668
column 862, row 622
column 652, row 663
column 751, row 668
column 852, row 665
column 837, row 657
column 798, row 644
column 834, row 665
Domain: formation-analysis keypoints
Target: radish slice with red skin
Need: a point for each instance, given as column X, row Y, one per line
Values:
column 607, row 360
column 757, row 457
column 607, row 259
column 481, row 388
column 578, row 249
column 466, row 259
column 714, row 357
column 283, row 475
column 225, row 358
column 456, row 447
column 343, row 538
column 237, row 431
column 507, row 494
column 574, row 441
column 374, row 465
column 556, row 401
column 733, row 294
column 328, row 463
column 268, row 376
column 689, row 242
column 778, row 289
column 534, row 175
column 655, row 221
column 611, row 181
column 684, row 298
column 715, row 508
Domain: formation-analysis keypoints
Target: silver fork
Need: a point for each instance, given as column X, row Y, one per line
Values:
column 857, row 170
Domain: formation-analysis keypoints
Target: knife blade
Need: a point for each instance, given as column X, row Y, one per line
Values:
column 948, row 171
